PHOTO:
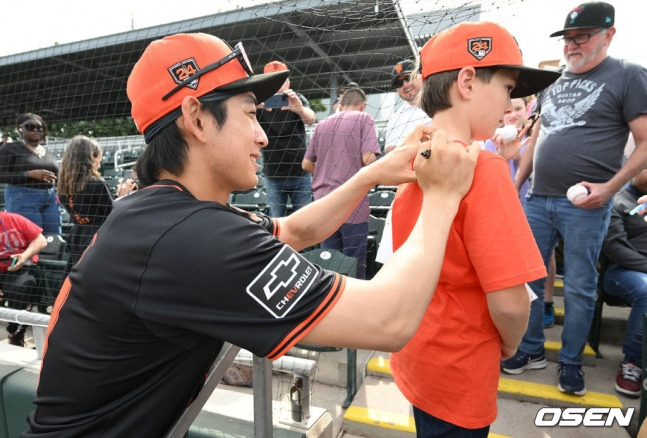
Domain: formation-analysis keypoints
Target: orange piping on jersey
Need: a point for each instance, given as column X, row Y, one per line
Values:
column 173, row 186
column 60, row 300
column 277, row 228
column 304, row 328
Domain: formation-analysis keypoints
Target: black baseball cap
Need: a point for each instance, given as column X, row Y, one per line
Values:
column 401, row 68
column 588, row 15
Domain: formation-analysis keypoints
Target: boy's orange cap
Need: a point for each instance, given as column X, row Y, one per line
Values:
column 482, row 44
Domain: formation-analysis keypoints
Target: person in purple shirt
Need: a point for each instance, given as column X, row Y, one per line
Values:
column 340, row 146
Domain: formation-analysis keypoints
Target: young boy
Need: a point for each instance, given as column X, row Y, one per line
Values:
column 449, row 370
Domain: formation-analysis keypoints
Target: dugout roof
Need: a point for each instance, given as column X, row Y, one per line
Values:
column 325, row 44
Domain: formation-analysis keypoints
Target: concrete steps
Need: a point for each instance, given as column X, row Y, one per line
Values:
column 380, row 410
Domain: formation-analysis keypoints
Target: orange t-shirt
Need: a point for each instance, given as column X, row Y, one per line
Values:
column 450, row 368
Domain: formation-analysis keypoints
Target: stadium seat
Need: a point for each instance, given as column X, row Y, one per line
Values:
column 380, row 202
column 602, row 299
column 254, row 201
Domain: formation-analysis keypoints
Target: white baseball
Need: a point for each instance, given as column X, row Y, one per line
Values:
column 577, row 192
column 508, row 133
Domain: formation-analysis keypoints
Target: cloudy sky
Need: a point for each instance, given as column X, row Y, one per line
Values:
column 42, row 23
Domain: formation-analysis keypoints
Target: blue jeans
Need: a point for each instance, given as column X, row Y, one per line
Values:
column 631, row 286
column 582, row 231
column 428, row 426
column 352, row 240
column 297, row 188
column 38, row 205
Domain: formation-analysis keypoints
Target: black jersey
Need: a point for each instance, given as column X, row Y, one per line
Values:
column 144, row 313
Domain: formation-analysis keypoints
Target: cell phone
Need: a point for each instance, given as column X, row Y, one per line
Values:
column 14, row 262
column 277, row 101
column 128, row 174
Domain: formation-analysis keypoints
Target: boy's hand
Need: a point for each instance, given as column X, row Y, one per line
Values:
column 449, row 170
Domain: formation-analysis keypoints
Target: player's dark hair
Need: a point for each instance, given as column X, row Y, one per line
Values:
column 435, row 88
column 168, row 149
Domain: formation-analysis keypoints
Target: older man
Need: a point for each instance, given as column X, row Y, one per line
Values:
column 586, row 117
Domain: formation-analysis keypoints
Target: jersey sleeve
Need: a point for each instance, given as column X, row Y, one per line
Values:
column 237, row 283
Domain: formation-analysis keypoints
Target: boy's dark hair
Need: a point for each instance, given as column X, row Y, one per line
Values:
column 168, row 149
column 434, row 96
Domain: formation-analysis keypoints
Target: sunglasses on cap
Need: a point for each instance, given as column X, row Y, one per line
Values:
column 32, row 127
column 237, row 53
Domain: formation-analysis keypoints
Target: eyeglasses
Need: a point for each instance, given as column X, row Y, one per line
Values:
column 32, row 127
column 580, row 39
column 238, row 53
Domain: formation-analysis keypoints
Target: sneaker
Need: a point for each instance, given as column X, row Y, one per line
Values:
column 549, row 315
column 521, row 361
column 17, row 339
column 571, row 379
column 629, row 379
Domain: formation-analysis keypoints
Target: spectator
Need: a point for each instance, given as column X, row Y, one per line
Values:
column 188, row 272
column 511, row 151
column 407, row 82
column 20, row 240
column 336, row 106
column 341, row 145
column 30, row 173
column 480, row 307
column 286, row 133
column 4, row 140
column 84, row 194
column 625, row 247
column 586, row 117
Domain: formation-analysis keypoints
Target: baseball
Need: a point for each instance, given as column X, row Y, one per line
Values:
column 508, row 133
column 577, row 192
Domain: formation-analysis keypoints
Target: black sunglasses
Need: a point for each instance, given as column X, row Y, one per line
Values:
column 237, row 53
column 33, row 127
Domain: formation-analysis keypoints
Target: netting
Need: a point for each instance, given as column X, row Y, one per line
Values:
column 80, row 89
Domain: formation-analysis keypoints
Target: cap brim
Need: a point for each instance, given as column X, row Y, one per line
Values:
column 563, row 31
column 531, row 80
column 262, row 85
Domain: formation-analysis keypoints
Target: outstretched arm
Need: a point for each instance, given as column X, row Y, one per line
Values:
column 385, row 312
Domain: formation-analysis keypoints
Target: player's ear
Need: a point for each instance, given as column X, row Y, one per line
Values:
column 192, row 120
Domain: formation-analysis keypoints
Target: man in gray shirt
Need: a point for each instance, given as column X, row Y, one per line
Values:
column 586, row 117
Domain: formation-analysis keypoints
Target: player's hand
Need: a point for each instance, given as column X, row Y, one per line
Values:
column 396, row 167
column 449, row 170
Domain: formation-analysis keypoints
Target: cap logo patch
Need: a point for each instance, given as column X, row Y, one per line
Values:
column 398, row 68
column 574, row 13
column 182, row 70
column 479, row 47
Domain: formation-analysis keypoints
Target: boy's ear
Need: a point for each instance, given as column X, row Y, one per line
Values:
column 465, row 81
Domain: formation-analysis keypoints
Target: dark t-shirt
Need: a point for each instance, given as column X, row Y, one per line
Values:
column 143, row 315
column 92, row 205
column 16, row 160
column 286, row 135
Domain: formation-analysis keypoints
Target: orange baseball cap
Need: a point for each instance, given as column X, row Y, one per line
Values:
column 274, row 66
column 162, row 77
column 482, row 44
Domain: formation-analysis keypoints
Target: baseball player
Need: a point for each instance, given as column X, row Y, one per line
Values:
column 175, row 271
